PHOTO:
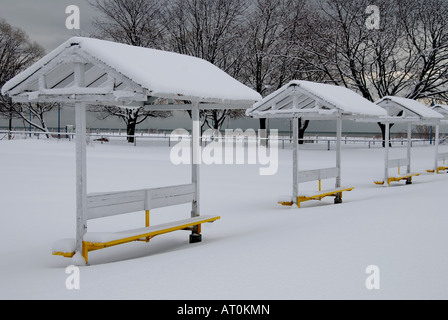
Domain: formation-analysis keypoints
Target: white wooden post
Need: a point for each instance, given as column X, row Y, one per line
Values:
column 195, row 169
column 386, row 152
column 437, row 143
column 81, row 175
column 81, row 160
column 408, row 171
column 338, row 150
column 295, row 160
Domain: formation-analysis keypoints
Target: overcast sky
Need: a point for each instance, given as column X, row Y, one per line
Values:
column 44, row 20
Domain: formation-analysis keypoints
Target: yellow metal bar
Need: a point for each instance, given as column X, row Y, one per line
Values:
column 320, row 185
column 286, row 203
column 65, row 254
column 441, row 169
column 320, row 196
column 89, row 246
column 397, row 179
column 147, row 223
column 85, row 251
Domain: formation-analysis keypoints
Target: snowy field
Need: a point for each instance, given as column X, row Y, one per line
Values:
column 257, row 250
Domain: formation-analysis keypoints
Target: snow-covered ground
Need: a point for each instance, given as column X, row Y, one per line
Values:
column 257, row 250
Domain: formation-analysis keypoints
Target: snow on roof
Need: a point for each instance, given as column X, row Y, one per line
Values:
column 442, row 109
column 314, row 100
column 163, row 74
column 413, row 108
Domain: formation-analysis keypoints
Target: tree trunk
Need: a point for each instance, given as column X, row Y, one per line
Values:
column 10, row 124
column 383, row 133
column 131, row 131
column 302, row 128
column 263, row 133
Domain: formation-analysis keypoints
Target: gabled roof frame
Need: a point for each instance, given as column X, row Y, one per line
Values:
column 309, row 101
column 56, row 77
column 412, row 111
column 443, row 110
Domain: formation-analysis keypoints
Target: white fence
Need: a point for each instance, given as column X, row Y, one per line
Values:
column 165, row 139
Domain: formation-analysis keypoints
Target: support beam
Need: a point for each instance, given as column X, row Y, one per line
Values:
column 81, row 175
column 409, row 147
column 386, row 151
column 195, row 170
column 295, row 160
column 338, row 150
column 437, row 142
column 408, row 170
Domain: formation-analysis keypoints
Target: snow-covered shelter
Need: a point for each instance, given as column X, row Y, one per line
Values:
column 412, row 112
column 443, row 110
column 315, row 101
column 90, row 71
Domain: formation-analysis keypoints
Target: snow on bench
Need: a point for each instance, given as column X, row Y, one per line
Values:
column 101, row 205
column 398, row 163
column 318, row 175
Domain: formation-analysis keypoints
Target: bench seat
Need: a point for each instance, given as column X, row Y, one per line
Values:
column 439, row 169
column 407, row 177
column 318, row 195
column 96, row 241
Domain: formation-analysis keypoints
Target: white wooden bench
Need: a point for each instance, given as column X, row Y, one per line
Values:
column 318, row 175
column 441, row 157
column 397, row 163
column 102, row 205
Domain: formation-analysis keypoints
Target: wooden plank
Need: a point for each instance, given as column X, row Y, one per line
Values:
column 171, row 191
column 319, row 174
column 101, row 205
column 394, row 163
column 172, row 201
column 115, row 203
column 442, row 157
column 114, row 198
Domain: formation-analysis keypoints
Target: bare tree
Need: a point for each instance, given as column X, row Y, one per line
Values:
column 406, row 56
column 137, row 23
column 34, row 114
column 210, row 30
column 17, row 52
column 426, row 29
column 132, row 116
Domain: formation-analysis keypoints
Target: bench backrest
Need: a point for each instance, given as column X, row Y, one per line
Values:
column 320, row 174
column 395, row 163
column 108, row 204
column 442, row 157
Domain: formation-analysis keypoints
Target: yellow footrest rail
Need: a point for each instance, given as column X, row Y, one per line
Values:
column 407, row 177
column 97, row 241
column 438, row 170
column 318, row 195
